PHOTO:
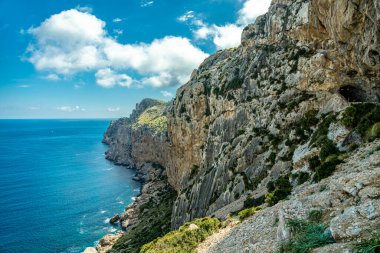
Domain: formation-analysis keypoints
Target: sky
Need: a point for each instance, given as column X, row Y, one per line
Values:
column 97, row 59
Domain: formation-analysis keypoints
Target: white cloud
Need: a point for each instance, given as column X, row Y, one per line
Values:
column 185, row 17
column 113, row 109
column 52, row 77
column 84, row 8
column 167, row 61
column 33, row 108
column 251, row 10
column 166, row 94
column 68, row 42
column 66, row 108
column 24, row 86
column 222, row 36
column 227, row 35
column 117, row 20
column 146, row 3
column 118, row 31
column 108, row 78
column 73, row 41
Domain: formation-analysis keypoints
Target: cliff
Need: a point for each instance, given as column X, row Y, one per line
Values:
column 293, row 112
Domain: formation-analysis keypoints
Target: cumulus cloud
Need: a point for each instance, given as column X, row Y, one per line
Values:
column 113, row 109
column 251, row 10
column 227, row 35
column 66, row 108
column 108, row 78
column 73, row 41
column 166, row 94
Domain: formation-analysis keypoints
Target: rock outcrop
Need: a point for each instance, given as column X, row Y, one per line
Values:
column 275, row 116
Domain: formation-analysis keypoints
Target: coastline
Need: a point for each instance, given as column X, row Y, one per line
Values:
column 154, row 188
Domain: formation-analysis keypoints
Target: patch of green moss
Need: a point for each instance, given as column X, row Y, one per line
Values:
column 278, row 190
column 185, row 239
column 155, row 221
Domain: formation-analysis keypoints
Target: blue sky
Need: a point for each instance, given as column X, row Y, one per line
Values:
column 97, row 59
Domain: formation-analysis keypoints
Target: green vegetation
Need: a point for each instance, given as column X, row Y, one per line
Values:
column 154, row 220
column 315, row 215
column 368, row 246
column 305, row 236
column 243, row 214
column 278, row 190
column 301, row 177
column 253, row 202
column 153, row 118
column 185, row 239
column 327, row 168
column 363, row 118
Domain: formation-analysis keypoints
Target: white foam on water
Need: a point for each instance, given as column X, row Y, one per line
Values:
column 106, row 221
column 133, row 198
column 111, row 230
column 103, row 211
column 136, row 189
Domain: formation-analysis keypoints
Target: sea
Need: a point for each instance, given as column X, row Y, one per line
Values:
column 57, row 190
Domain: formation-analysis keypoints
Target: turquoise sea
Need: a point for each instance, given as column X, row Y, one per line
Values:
column 57, row 190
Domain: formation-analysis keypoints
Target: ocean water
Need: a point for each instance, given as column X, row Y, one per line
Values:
column 57, row 190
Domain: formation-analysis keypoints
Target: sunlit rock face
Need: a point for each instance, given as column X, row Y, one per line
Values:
column 243, row 104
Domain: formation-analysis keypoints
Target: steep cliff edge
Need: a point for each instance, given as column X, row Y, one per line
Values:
column 285, row 113
column 235, row 125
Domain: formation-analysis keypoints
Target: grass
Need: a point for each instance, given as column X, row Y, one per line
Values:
column 368, row 246
column 305, row 236
column 248, row 212
column 185, row 239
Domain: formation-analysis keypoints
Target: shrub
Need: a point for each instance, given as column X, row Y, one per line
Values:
column 362, row 117
column 327, row 168
column 302, row 177
column 327, row 148
column 373, row 132
column 185, row 239
column 253, row 202
column 305, row 237
column 280, row 189
column 154, row 222
column 248, row 212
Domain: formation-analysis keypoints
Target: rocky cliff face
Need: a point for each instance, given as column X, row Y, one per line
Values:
column 243, row 104
column 133, row 141
column 284, row 109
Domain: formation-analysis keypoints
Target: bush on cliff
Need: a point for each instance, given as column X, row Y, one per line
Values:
column 278, row 190
column 154, row 220
column 185, row 239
